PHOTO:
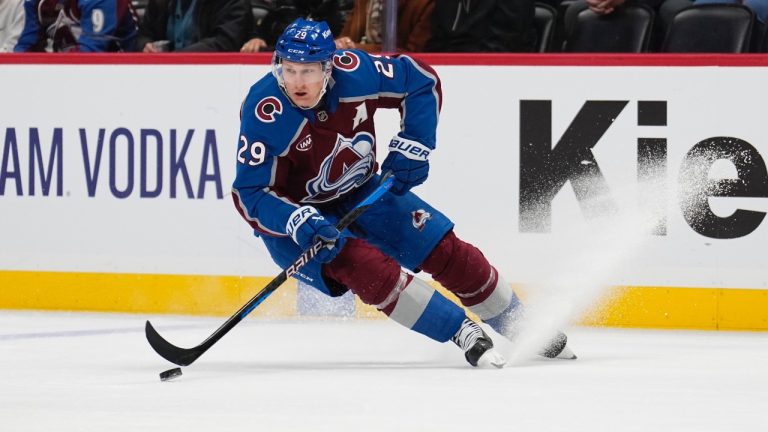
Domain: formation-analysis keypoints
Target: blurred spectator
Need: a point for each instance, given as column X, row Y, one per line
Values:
column 195, row 25
column 364, row 28
column 11, row 23
column 670, row 8
column 483, row 25
column 77, row 25
column 605, row 7
column 602, row 7
column 285, row 12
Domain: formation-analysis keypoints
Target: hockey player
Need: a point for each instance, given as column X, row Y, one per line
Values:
column 306, row 155
column 78, row 25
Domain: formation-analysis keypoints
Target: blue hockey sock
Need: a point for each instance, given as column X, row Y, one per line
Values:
column 441, row 319
column 422, row 309
column 506, row 322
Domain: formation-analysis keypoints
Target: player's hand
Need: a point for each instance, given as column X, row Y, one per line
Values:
column 408, row 162
column 307, row 226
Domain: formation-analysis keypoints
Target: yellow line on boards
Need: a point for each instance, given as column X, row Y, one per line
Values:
column 643, row 307
column 125, row 292
column 682, row 308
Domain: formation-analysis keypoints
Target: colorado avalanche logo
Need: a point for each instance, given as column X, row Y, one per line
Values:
column 347, row 167
column 420, row 218
column 267, row 108
column 346, row 61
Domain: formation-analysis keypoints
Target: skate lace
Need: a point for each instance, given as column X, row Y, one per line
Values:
column 468, row 334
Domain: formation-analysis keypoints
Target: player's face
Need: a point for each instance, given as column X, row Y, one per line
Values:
column 303, row 82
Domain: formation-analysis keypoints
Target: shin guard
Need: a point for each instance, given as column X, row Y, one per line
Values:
column 462, row 269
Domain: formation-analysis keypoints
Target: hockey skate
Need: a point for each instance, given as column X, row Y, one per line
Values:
column 478, row 346
column 507, row 324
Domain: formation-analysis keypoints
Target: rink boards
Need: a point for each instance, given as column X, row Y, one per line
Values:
column 632, row 186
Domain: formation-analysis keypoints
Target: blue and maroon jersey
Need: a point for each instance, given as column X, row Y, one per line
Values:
column 289, row 157
column 78, row 25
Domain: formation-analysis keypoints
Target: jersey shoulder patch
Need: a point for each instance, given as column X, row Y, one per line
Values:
column 265, row 100
column 268, row 108
column 268, row 115
column 354, row 74
column 347, row 60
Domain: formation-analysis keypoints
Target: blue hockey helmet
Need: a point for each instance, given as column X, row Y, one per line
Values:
column 305, row 41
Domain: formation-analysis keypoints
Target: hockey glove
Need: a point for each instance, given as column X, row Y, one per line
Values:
column 407, row 160
column 307, row 226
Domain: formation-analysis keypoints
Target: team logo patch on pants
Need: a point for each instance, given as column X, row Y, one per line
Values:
column 420, row 218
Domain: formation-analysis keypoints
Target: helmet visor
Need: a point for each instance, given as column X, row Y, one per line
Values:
column 291, row 73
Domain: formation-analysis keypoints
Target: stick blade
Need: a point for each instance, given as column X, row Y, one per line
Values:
column 168, row 351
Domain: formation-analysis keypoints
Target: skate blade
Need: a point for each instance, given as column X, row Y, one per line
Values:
column 566, row 354
column 491, row 359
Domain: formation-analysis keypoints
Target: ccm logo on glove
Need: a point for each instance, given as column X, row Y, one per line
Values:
column 411, row 149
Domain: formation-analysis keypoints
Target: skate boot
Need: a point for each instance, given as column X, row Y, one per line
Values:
column 507, row 324
column 558, row 348
column 477, row 346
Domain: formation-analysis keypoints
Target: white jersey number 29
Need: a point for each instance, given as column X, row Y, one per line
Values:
column 386, row 69
column 97, row 18
column 257, row 150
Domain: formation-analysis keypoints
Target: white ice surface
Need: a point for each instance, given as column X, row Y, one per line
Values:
column 94, row 372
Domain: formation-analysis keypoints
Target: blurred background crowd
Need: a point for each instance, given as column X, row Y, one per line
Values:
column 522, row 26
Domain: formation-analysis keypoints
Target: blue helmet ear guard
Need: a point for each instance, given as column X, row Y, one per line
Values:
column 306, row 41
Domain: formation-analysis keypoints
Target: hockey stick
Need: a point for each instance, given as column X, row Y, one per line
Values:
column 185, row 356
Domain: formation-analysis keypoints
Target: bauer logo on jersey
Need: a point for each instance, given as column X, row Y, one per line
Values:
column 420, row 218
column 267, row 108
column 347, row 167
column 346, row 61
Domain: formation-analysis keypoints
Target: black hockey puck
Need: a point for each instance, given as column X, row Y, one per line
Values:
column 170, row 374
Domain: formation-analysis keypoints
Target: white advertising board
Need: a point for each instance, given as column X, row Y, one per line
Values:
column 127, row 168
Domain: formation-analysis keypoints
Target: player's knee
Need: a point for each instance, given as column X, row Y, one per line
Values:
column 462, row 269
column 365, row 270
